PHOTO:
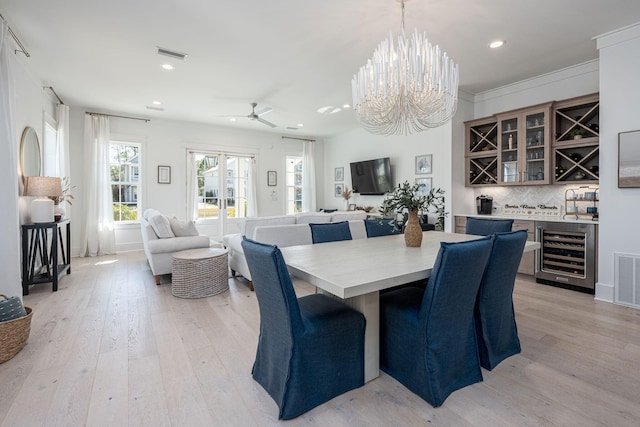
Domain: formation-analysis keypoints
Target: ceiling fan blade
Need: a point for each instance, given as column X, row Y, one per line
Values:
column 262, row 111
column 265, row 122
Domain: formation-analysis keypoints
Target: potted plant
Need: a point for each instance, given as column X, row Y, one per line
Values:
column 578, row 132
column 64, row 196
column 411, row 199
column 346, row 195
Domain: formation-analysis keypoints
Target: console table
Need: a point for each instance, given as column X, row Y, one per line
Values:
column 50, row 244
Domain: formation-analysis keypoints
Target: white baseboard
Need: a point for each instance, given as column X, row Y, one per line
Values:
column 604, row 292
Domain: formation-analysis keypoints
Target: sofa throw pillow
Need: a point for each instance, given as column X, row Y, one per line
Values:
column 161, row 226
column 183, row 228
column 11, row 308
column 148, row 213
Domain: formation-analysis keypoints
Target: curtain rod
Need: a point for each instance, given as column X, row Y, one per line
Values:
column 120, row 117
column 299, row 139
column 22, row 49
column 54, row 92
column 219, row 152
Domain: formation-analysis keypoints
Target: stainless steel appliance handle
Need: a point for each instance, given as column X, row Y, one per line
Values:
column 538, row 237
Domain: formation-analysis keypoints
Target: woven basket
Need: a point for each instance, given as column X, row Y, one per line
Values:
column 13, row 335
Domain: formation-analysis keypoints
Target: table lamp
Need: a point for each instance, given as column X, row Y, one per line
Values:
column 42, row 187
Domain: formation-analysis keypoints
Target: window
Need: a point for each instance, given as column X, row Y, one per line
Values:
column 293, row 180
column 124, row 164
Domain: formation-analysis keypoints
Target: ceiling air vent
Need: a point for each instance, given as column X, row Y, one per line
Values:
column 149, row 107
column 171, row 53
column 292, row 128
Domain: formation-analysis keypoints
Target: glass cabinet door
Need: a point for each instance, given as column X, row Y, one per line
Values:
column 535, row 153
column 509, row 157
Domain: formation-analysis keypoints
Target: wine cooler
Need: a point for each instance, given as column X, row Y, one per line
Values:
column 567, row 255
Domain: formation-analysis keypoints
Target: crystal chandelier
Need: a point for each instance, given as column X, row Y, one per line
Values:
column 405, row 89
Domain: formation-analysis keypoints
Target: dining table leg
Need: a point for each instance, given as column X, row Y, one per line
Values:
column 369, row 305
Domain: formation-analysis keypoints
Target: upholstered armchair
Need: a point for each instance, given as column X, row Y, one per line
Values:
column 311, row 349
column 495, row 320
column 486, row 227
column 428, row 338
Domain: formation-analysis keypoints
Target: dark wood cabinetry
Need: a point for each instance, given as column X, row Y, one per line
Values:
column 576, row 149
column 556, row 142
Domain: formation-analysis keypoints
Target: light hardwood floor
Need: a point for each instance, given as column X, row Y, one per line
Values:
column 111, row 348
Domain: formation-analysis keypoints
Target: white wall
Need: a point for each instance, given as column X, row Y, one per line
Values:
column 165, row 142
column 619, row 95
column 569, row 82
column 31, row 103
column 463, row 199
column 359, row 145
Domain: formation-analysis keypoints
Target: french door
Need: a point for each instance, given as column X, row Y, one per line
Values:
column 224, row 194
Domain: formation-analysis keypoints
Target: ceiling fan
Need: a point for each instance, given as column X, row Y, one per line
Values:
column 257, row 115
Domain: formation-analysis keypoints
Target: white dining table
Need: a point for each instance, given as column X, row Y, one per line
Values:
column 357, row 270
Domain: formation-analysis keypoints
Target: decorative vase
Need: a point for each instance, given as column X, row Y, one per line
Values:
column 58, row 212
column 413, row 231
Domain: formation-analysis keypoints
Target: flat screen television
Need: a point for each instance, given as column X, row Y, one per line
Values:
column 371, row 177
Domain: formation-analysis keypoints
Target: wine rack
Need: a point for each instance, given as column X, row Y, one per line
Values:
column 564, row 252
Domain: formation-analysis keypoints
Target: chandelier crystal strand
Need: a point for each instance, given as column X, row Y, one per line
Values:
column 406, row 89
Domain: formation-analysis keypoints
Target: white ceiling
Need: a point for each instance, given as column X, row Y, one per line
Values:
column 292, row 56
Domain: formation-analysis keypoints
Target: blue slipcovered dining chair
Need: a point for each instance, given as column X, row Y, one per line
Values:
column 330, row 232
column 495, row 320
column 428, row 338
column 310, row 349
column 380, row 227
column 486, row 227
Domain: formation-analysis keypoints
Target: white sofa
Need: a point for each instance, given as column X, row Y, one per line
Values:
column 160, row 242
column 286, row 230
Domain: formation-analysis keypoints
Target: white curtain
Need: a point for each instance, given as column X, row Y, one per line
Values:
column 62, row 141
column 308, row 177
column 192, row 187
column 62, row 163
column 98, row 237
column 10, row 224
column 252, row 202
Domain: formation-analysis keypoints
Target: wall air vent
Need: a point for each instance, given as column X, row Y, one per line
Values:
column 172, row 54
column 627, row 279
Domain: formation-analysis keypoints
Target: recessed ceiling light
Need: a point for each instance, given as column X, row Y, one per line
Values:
column 232, row 119
column 299, row 125
column 496, row 44
column 329, row 109
column 346, row 106
column 157, row 103
column 167, row 66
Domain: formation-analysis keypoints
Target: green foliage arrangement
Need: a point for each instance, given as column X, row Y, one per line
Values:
column 407, row 197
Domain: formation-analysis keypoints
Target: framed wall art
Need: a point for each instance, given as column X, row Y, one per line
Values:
column 339, row 174
column 164, row 174
column 423, row 164
column 338, row 189
column 272, row 178
column 629, row 159
column 426, row 185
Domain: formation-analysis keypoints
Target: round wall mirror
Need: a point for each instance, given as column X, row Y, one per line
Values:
column 30, row 158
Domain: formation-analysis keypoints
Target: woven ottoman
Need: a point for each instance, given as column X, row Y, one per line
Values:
column 198, row 273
